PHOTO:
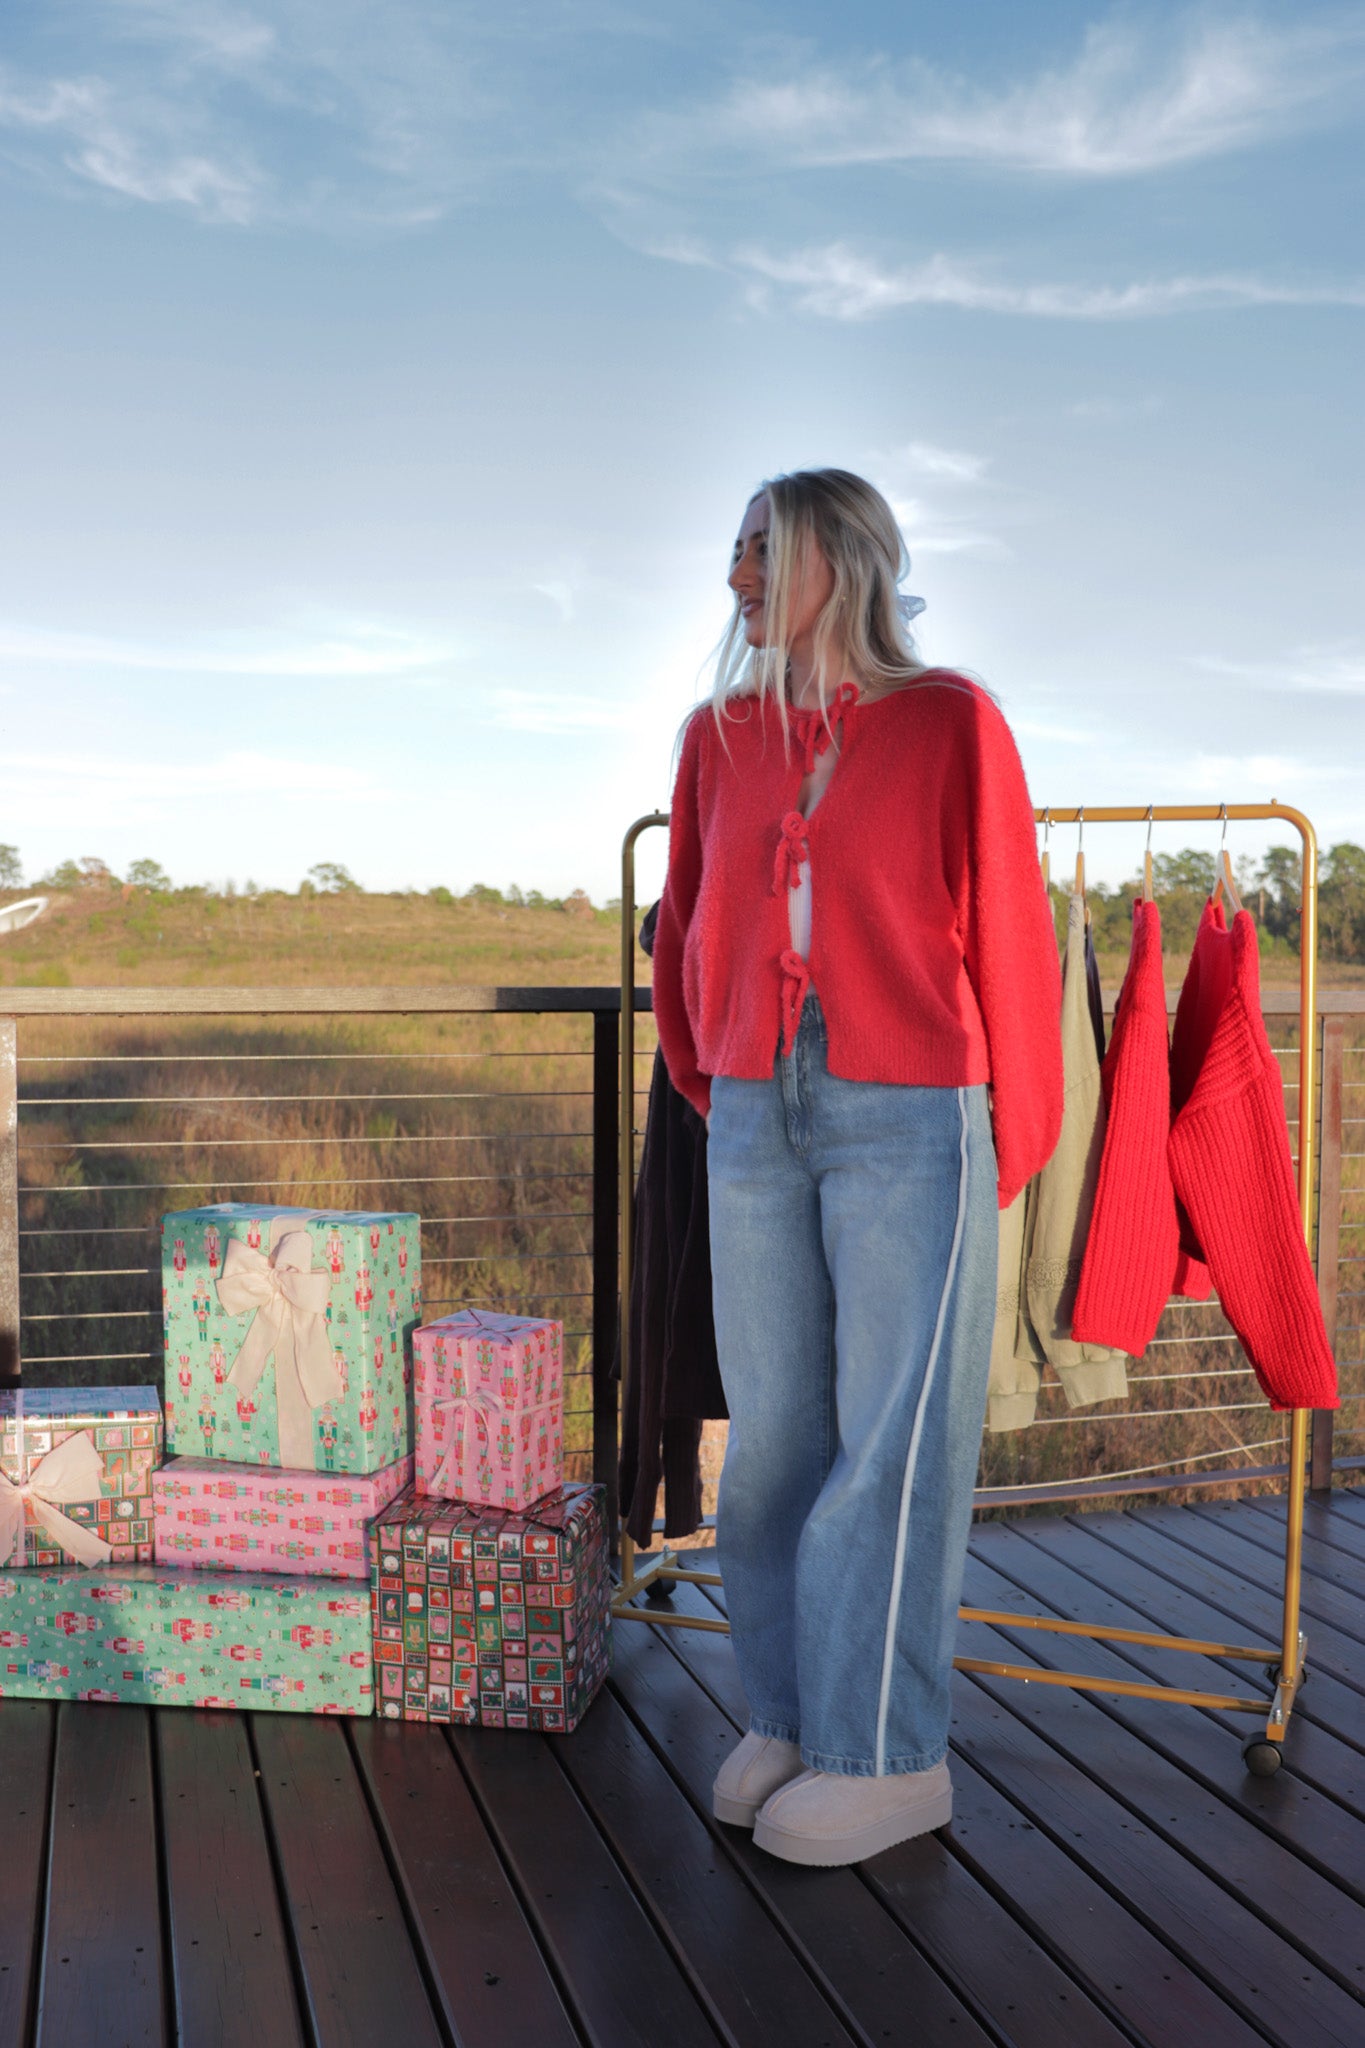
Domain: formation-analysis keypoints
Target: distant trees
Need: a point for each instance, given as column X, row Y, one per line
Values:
column 11, row 869
column 330, row 878
column 149, row 874
column 89, row 872
column 1270, row 890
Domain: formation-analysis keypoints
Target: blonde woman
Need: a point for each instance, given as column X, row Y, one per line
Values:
column 854, row 947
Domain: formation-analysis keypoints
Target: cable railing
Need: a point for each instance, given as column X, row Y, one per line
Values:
column 492, row 1113
column 251, row 1095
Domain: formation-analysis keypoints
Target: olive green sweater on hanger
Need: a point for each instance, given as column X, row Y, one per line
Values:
column 1043, row 1233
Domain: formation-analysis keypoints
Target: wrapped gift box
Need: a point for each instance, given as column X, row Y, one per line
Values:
column 288, row 1336
column 76, row 1474
column 489, row 1397
column 258, row 1518
column 156, row 1638
column 489, row 1618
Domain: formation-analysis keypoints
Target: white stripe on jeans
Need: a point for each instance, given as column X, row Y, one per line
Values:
column 907, row 1483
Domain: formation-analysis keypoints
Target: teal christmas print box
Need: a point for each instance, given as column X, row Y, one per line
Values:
column 288, row 1335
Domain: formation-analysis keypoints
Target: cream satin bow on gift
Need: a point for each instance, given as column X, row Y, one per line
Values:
column 289, row 1299
column 483, row 1409
column 73, row 1471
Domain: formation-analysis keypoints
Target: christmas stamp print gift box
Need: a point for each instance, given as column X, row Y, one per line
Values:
column 258, row 1518
column 288, row 1335
column 144, row 1635
column 496, row 1619
column 489, row 1399
column 76, row 1474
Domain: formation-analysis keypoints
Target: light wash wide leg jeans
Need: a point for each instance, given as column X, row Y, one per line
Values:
column 853, row 1247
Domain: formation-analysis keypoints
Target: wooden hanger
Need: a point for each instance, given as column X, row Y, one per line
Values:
column 1078, row 886
column 1147, row 894
column 1047, row 838
column 1225, row 884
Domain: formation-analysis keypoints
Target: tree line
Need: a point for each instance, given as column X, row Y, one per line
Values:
column 1182, row 883
column 1269, row 889
column 325, row 878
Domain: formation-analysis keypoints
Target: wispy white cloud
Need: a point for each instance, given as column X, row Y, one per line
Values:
column 947, row 465
column 839, row 282
column 567, row 711
column 361, row 650
column 1133, row 100
column 1333, row 672
column 74, row 777
column 1060, row 735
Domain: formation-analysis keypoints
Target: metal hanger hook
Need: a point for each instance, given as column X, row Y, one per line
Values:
column 1223, row 814
column 1080, row 828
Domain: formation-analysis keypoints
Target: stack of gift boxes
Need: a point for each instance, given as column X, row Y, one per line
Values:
column 235, row 1573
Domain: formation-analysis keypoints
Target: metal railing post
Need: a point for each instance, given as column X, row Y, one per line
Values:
column 606, row 1291
column 9, row 1201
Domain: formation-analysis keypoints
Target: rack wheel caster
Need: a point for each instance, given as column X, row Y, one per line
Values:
column 659, row 1593
column 1262, row 1758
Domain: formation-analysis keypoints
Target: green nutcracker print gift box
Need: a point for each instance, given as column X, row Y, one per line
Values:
column 151, row 1637
column 288, row 1335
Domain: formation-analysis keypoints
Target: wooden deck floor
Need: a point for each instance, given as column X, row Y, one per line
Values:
column 1111, row 1875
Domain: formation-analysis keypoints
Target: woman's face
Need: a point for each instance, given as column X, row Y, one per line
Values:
column 748, row 578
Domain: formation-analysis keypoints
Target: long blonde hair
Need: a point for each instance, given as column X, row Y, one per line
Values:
column 861, row 626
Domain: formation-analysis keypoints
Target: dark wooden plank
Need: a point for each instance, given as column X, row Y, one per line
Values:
column 1096, row 1935
column 1214, row 1534
column 1322, row 1558
column 1251, row 1967
column 620, row 1978
column 490, row 1979
column 361, row 1981
column 27, row 1730
column 1245, row 1605
column 1350, row 1503
column 102, row 1949
column 713, row 1923
column 1314, row 1751
column 1182, row 1583
column 962, row 1945
column 231, row 1976
column 1320, row 1519
column 1322, row 1921
column 1314, row 1825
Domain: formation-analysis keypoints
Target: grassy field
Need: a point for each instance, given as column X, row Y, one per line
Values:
column 117, row 937
column 481, row 1123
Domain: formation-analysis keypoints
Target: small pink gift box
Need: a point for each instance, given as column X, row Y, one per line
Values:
column 213, row 1516
column 489, row 1394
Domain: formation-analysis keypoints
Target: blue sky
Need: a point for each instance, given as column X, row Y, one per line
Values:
column 384, row 385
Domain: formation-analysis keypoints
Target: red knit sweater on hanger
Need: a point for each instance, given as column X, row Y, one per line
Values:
column 1231, row 1171
column 932, row 943
column 1134, row 1240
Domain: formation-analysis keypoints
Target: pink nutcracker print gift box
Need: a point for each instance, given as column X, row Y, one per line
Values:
column 288, row 1335
column 257, row 1518
column 76, row 1475
column 489, row 1394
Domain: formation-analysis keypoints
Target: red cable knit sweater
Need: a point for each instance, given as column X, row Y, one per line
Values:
column 1229, row 1166
column 932, row 945
column 1134, row 1238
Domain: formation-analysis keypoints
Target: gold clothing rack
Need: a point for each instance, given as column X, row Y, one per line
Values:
column 1287, row 1664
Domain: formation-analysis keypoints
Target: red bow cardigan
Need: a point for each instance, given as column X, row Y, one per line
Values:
column 1206, row 1130
column 932, row 945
